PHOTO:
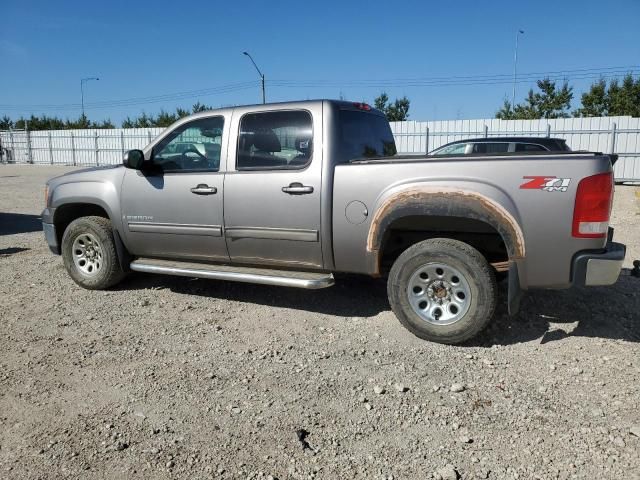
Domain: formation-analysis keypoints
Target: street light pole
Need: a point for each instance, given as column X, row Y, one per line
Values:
column 82, row 82
column 264, row 99
column 515, row 69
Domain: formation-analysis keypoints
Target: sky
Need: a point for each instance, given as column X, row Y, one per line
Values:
column 310, row 49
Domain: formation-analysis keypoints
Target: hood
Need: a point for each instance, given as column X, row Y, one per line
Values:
column 84, row 174
column 106, row 173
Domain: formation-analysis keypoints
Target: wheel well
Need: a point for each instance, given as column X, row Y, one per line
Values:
column 65, row 214
column 407, row 231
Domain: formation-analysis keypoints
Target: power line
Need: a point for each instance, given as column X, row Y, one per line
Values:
column 452, row 81
column 460, row 80
column 141, row 100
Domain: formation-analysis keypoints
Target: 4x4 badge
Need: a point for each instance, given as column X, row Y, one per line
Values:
column 548, row 184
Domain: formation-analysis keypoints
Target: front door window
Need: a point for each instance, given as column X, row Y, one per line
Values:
column 194, row 146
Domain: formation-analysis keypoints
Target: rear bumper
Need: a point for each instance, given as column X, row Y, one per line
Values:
column 599, row 267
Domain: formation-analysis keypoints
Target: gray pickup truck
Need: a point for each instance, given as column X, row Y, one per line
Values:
column 288, row 194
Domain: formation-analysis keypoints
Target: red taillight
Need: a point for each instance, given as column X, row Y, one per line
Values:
column 593, row 206
column 362, row 106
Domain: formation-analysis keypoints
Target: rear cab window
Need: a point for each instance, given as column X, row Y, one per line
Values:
column 364, row 135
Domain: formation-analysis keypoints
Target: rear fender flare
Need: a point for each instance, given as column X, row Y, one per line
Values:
column 433, row 200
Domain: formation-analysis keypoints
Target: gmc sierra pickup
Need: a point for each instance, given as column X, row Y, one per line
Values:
column 287, row 194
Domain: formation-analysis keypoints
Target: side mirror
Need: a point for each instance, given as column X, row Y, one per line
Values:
column 133, row 159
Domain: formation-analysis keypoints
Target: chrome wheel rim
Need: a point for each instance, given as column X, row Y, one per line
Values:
column 87, row 254
column 439, row 294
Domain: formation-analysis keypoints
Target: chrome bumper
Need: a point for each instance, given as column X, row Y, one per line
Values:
column 597, row 268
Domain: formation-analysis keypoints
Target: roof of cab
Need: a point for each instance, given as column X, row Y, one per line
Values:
column 343, row 104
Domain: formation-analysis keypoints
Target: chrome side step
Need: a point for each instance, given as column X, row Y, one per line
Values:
column 283, row 278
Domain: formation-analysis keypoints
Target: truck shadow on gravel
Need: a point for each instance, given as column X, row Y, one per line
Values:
column 552, row 315
column 545, row 316
column 351, row 296
column 13, row 223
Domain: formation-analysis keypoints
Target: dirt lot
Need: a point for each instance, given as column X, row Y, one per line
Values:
column 174, row 378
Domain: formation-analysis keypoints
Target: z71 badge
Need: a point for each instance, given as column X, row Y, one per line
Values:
column 548, row 184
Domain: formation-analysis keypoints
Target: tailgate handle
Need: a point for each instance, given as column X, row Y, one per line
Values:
column 296, row 188
column 204, row 189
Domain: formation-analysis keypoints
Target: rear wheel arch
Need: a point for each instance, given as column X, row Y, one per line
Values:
column 440, row 203
column 405, row 231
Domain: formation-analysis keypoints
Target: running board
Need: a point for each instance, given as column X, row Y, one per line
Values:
column 264, row 276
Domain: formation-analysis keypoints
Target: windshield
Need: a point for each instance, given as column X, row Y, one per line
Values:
column 364, row 135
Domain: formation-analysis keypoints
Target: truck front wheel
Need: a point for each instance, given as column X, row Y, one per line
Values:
column 89, row 253
column 442, row 290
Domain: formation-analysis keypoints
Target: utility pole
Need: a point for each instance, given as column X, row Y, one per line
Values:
column 82, row 82
column 515, row 69
column 264, row 99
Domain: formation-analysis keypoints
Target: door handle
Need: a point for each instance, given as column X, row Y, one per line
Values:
column 296, row 188
column 204, row 189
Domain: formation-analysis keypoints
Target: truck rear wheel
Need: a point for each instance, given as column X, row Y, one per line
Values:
column 89, row 253
column 442, row 290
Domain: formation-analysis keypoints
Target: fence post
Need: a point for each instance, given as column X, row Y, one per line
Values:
column 486, row 131
column 148, row 136
column 426, row 142
column 73, row 149
column 13, row 147
column 50, row 147
column 548, row 130
column 122, row 142
column 95, row 145
column 613, row 137
column 29, row 152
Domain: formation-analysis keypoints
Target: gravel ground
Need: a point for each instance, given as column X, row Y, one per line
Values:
column 166, row 377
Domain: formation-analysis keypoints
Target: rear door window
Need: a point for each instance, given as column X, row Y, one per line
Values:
column 364, row 135
column 277, row 140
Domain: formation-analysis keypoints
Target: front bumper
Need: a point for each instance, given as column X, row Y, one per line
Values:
column 50, row 230
column 599, row 267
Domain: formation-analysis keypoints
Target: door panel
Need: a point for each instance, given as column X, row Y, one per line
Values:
column 173, row 207
column 265, row 224
column 163, row 218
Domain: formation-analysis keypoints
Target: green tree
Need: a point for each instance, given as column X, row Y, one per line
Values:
column 200, row 107
column 144, row 120
column 164, row 119
column 615, row 99
column 128, row 122
column 396, row 111
column 595, row 102
column 6, row 123
column 624, row 99
column 549, row 102
column 45, row 122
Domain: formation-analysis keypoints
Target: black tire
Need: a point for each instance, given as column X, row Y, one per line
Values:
column 109, row 273
column 465, row 259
